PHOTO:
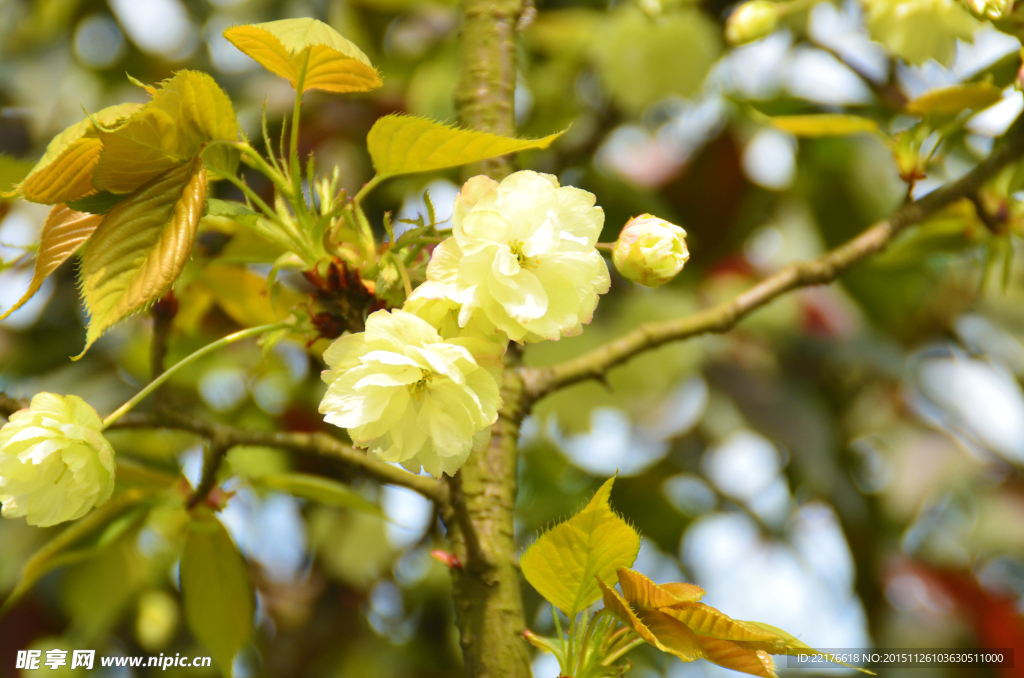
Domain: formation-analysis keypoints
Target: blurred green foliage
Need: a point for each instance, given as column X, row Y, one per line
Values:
column 891, row 401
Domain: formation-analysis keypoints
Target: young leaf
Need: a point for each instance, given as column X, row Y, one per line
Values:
column 65, row 172
column 285, row 47
column 707, row 621
column 566, row 561
column 672, row 634
column 318, row 489
column 187, row 111
column 63, row 233
column 643, row 593
column 682, row 644
column 403, row 144
column 736, row 657
column 141, row 246
column 823, row 125
column 219, row 598
column 946, row 101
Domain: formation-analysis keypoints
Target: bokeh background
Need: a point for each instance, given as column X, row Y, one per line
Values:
column 846, row 464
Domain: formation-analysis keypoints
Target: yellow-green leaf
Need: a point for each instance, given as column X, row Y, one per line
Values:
column 319, row 489
column 403, row 144
column 65, row 172
column 824, row 125
column 187, row 111
column 63, row 233
column 955, row 98
column 641, row 592
column 218, row 595
column 288, row 46
column 565, row 563
column 141, row 246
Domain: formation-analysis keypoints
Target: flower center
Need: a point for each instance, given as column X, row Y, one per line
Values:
column 419, row 388
column 517, row 249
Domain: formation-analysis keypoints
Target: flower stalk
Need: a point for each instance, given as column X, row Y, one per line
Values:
column 188, row 360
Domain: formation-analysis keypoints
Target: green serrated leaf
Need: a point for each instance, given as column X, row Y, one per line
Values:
column 286, row 47
column 63, row 233
column 219, row 598
column 227, row 208
column 565, row 563
column 318, row 489
column 97, row 203
column 65, row 172
column 141, row 246
column 403, row 144
column 187, row 111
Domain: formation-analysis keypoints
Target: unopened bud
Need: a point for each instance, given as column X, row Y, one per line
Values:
column 389, row 286
column 992, row 10
column 752, row 21
column 450, row 560
column 650, row 251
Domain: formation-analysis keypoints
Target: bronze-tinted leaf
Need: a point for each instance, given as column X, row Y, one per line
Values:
column 63, row 233
column 707, row 621
column 642, row 592
column 287, row 46
column 675, row 637
column 65, row 172
column 736, row 657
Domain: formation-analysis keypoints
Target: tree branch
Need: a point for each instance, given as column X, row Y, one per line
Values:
column 319, row 444
column 486, row 592
column 540, row 381
column 225, row 437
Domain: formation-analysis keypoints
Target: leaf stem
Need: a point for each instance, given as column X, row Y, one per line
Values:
column 623, row 650
column 296, row 112
column 209, row 348
column 581, row 660
column 367, row 187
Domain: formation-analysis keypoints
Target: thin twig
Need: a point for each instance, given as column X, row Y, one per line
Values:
column 539, row 382
column 212, row 459
column 319, row 444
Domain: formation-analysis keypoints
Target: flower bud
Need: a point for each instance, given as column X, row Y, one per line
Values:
column 650, row 251
column 55, row 464
column 752, row 21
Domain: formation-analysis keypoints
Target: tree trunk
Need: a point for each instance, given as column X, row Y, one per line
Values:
column 488, row 600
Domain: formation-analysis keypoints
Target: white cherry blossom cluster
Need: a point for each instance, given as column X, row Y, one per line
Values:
column 421, row 386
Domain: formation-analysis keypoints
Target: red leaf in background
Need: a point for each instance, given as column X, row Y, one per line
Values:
column 994, row 617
